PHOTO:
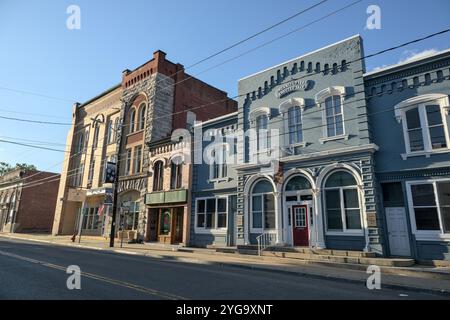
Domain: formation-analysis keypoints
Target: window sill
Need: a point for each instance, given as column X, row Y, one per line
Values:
column 219, row 180
column 211, row 231
column 345, row 233
column 425, row 154
column 266, row 151
column 328, row 139
column 432, row 236
column 261, row 231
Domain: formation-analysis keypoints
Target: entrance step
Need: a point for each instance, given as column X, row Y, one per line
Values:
column 341, row 259
column 329, row 252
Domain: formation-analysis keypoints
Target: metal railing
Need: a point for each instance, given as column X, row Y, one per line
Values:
column 265, row 240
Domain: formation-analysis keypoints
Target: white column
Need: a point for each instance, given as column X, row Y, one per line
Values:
column 319, row 225
column 278, row 219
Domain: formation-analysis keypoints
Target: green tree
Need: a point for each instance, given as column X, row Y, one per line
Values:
column 6, row 167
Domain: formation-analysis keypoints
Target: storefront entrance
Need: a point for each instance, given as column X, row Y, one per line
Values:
column 165, row 225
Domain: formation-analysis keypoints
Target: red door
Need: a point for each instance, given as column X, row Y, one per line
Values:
column 300, row 226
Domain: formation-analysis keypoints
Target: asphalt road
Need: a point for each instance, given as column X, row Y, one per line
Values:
column 30, row 270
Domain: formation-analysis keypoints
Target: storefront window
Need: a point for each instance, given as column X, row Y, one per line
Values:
column 431, row 206
column 211, row 213
column 263, row 206
column 342, row 203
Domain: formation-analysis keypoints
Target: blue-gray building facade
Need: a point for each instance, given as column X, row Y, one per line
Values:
column 409, row 114
column 214, row 183
column 322, row 154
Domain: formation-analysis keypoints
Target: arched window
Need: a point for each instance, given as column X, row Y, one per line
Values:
column 158, row 176
column 141, row 121
column 262, row 206
column 342, row 203
column 298, row 183
column 176, row 173
column 116, row 128
column 96, row 133
column 132, row 120
column 109, row 132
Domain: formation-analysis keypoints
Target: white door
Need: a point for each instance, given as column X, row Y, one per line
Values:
column 398, row 232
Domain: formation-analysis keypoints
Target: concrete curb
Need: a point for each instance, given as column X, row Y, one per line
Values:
column 395, row 286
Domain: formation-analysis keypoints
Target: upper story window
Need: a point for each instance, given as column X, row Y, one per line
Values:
column 137, row 159
column 334, row 116
column 292, row 111
column 132, row 120
column 176, row 173
column 331, row 101
column 158, row 176
column 262, row 137
column 141, row 119
column 109, row 132
column 96, row 134
column 259, row 120
column 218, row 168
column 424, row 120
column 80, row 142
column 128, row 162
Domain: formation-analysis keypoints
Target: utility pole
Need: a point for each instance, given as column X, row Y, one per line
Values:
column 116, row 187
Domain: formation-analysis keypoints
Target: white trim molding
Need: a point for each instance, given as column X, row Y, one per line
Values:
column 420, row 102
column 253, row 114
column 330, row 91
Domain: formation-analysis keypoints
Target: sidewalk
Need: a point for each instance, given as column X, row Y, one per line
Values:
column 423, row 279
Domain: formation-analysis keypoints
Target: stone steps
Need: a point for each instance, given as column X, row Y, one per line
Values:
column 321, row 255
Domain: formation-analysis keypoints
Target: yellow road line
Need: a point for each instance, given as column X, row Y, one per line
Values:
column 145, row 290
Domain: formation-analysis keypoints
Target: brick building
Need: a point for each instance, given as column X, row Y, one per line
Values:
column 148, row 105
column 24, row 205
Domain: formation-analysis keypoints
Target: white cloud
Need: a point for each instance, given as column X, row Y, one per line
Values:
column 409, row 56
column 412, row 55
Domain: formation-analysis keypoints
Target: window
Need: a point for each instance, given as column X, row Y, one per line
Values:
column 262, row 138
column 298, row 183
column 141, row 122
column 424, row 123
column 96, row 133
column 132, row 120
column 218, row 169
column 334, row 119
column 176, row 168
column 262, row 206
column 91, row 170
column 430, row 204
column 109, row 132
column 295, row 125
column 78, row 176
column 128, row 163
column 80, row 144
column 116, row 128
column 158, row 176
column 342, row 203
column 86, row 141
column 211, row 213
column 132, row 217
column 137, row 159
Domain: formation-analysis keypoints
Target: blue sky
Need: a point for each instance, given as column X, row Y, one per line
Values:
column 39, row 54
